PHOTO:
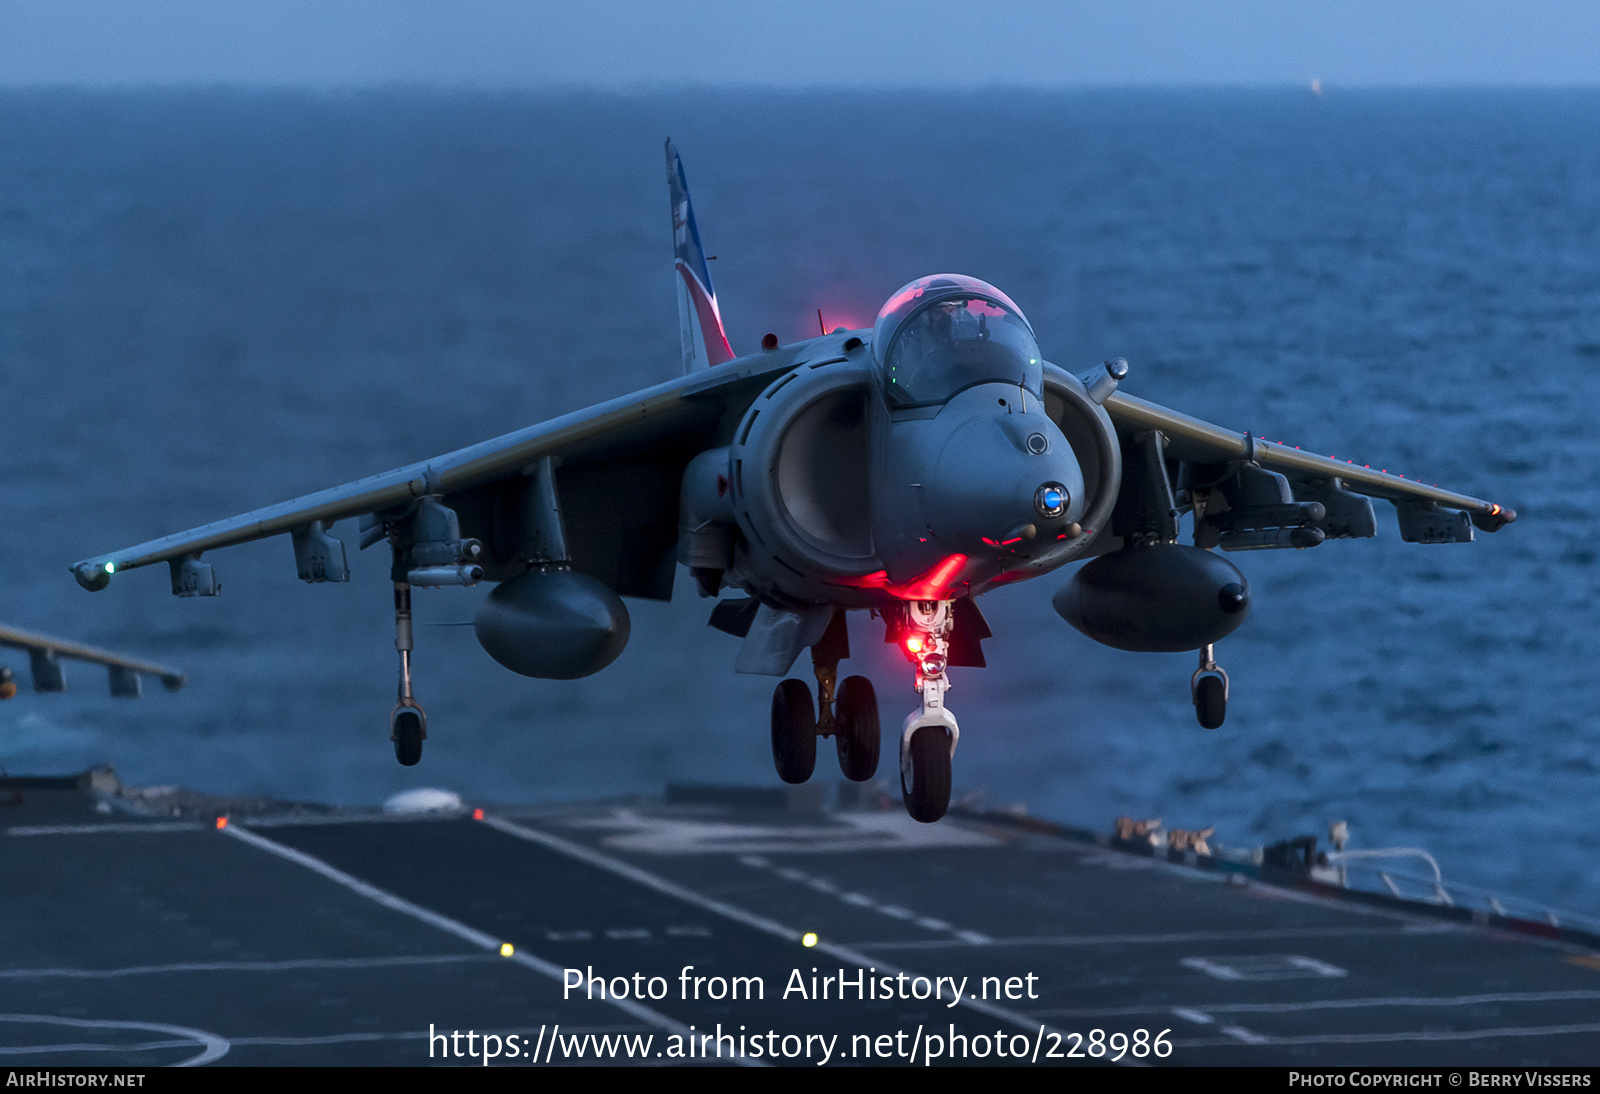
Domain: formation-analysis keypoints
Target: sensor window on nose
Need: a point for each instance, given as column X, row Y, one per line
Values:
column 1038, row 444
column 1051, row 499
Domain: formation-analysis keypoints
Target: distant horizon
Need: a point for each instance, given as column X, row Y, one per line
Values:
column 790, row 44
column 1327, row 89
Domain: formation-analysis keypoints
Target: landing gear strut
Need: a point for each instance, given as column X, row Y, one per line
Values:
column 928, row 739
column 847, row 712
column 1209, row 689
column 408, row 724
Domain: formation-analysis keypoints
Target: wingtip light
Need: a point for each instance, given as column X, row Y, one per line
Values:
column 94, row 576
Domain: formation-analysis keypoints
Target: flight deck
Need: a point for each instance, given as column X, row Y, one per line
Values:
column 163, row 927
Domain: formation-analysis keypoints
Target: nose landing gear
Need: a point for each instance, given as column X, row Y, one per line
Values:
column 928, row 739
column 1209, row 689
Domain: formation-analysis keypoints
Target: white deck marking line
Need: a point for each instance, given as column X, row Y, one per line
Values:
column 1144, row 939
column 1412, row 1001
column 1263, row 967
column 861, row 900
column 417, row 1035
column 1336, row 1004
column 91, row 1046
column 99, row 829
column 1381, row 1038
column 1195, row 1016
column 738, row 915
column 245, row 966
column 211, row 1046
column 1249, row 1037
column 445, row 923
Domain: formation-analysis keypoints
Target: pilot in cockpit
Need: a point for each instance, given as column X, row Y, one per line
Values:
column 948, row 345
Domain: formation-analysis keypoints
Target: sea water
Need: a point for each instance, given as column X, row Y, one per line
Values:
column 212, row 300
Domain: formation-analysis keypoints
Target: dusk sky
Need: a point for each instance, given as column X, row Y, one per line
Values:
column 812, row 43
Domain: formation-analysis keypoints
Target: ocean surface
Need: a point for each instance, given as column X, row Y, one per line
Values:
column 212, row 300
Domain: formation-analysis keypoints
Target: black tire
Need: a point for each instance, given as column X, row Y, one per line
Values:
column 794, row 731
column 928, row 796
column 857, row 736
column 408, row 736
column 1210, row 702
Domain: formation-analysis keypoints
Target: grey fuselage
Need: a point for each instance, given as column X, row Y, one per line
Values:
column 826, row 495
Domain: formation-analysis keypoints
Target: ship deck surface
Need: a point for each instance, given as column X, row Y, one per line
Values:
column 290, row 937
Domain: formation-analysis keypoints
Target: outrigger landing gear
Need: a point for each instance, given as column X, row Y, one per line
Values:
column 1209, row 689
column 408, row 724
column 928, row 740
column 848, row 713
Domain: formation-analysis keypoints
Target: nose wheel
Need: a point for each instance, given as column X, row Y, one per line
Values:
column 928, row 739
column 925, row 773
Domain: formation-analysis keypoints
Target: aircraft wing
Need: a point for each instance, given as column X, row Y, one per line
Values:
column 1267, row 488
column 620, row 467
column 46, row 653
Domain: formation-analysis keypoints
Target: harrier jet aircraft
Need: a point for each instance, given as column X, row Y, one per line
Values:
column 901, row 471
column 46, row 654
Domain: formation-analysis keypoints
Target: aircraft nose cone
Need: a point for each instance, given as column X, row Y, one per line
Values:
column 992, row 491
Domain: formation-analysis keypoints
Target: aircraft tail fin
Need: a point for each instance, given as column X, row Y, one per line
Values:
column 705, row 343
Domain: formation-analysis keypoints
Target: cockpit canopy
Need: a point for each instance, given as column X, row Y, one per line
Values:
column 944, row 333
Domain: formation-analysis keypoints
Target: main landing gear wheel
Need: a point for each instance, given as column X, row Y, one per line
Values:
column 407, row 729
column 856, row 729
column 928, row 796
column 794, row 731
